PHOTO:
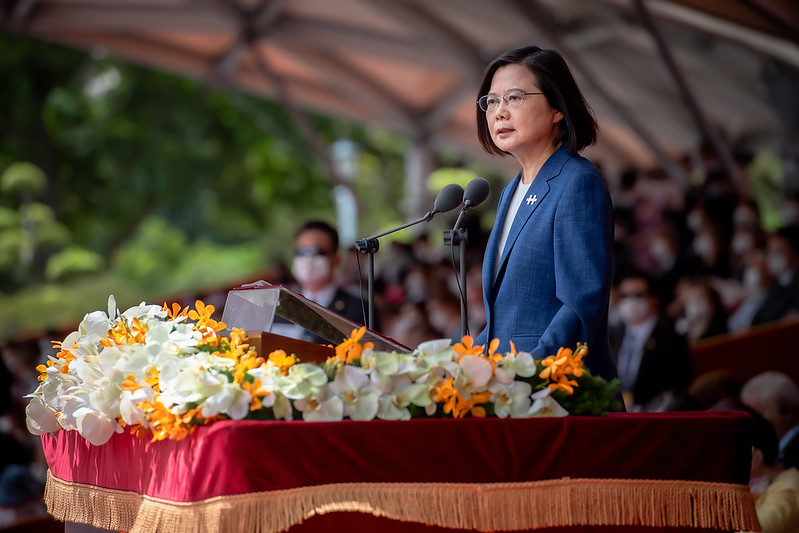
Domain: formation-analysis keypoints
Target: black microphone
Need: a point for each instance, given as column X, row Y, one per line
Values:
column 475, row 194
column 448, row 199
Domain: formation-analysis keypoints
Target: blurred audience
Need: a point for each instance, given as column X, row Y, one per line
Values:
column 650, row 355
column 22, row 465
column 774, row 485
column 782, row 260
column 755, row 283
column 776, row 397
column 717, row 389
column 702, row 314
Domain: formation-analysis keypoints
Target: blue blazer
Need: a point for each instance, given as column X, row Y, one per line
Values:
column 552, row 286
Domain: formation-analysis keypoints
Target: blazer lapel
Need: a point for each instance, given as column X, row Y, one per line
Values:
column 535, row 197
column 490, row 255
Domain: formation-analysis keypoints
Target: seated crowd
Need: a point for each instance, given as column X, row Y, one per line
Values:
column 689, row 266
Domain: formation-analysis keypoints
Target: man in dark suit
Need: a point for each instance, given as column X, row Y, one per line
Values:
column 316, row 259
column 782, row 299
column 650, row 356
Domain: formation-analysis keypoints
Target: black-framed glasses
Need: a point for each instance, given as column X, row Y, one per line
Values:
column 513, row 98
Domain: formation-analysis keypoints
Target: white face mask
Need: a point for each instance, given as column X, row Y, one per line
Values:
column 633, row 310
column 742, row 242
column 703, row 245
column 694, row 221
column 696, row 309
column 311, row 270
column 662, row 253
column 777, row 264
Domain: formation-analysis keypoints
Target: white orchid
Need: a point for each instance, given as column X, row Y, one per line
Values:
column 545, row 405
column 150, row 364
column 39, row 418
column 474, row 373
column 129, row 406
column 321, row 407
column 357, row 392
column 231, row 399
column 393, row 403
column 510, row 399
column 303, row 381
column 521, row 364
column 94, row 426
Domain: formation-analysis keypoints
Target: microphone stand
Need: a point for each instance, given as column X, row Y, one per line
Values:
column 460, row 237
column 370, row 245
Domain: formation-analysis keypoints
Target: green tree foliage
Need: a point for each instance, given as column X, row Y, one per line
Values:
column 115, row 177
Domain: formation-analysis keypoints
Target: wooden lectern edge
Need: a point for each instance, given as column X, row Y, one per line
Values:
column 265, row 343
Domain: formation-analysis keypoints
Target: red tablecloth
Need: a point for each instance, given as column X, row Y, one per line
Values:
column 258, row 470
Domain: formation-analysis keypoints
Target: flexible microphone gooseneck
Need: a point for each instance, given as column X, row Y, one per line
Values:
column 448, row 199
column 475, row 194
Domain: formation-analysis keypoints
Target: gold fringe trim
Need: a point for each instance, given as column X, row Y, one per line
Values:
column 483, row 506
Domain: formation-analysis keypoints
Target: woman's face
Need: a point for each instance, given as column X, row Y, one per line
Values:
column 526, row 130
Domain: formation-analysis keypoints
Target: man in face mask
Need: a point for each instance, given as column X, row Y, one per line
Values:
column 314, row 267
column 651, row 357
column 782, row 259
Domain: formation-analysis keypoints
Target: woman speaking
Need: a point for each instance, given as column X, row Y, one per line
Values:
column 549, row 260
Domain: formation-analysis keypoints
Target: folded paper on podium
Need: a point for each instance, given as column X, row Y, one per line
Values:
column 254, row 309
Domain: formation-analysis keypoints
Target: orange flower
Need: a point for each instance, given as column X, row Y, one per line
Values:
column 152, row 380
column 350, row 350
column 164, row 424
column 554, row 364
column 252, row 388
column 42, row 369
column 175, row 311
column 458, row 405
column 124, row 333
column 467, row 347
column 283, row 361
column 566, row 364
column 246, row 362
column 201, row 312
column 206, row 325
column 130, row 383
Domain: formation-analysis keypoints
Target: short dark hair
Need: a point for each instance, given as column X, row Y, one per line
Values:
column 319, row 225
column 764, row 437
column 578, row 128
column 634, row 273
column 791, row 235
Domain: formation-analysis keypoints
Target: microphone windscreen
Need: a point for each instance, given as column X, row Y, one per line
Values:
column 449, row 198
column 476, row 192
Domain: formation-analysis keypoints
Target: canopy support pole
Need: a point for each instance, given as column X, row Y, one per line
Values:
column 542, row 20
column 708, row 131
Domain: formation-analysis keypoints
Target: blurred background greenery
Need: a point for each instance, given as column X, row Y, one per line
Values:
column 116, row 179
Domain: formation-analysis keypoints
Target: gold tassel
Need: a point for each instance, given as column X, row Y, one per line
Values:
column 483, row 507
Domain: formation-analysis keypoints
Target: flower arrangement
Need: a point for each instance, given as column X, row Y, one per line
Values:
column 163, row 371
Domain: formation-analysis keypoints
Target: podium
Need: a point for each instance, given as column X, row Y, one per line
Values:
column 636, row 473
column 254, row 309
